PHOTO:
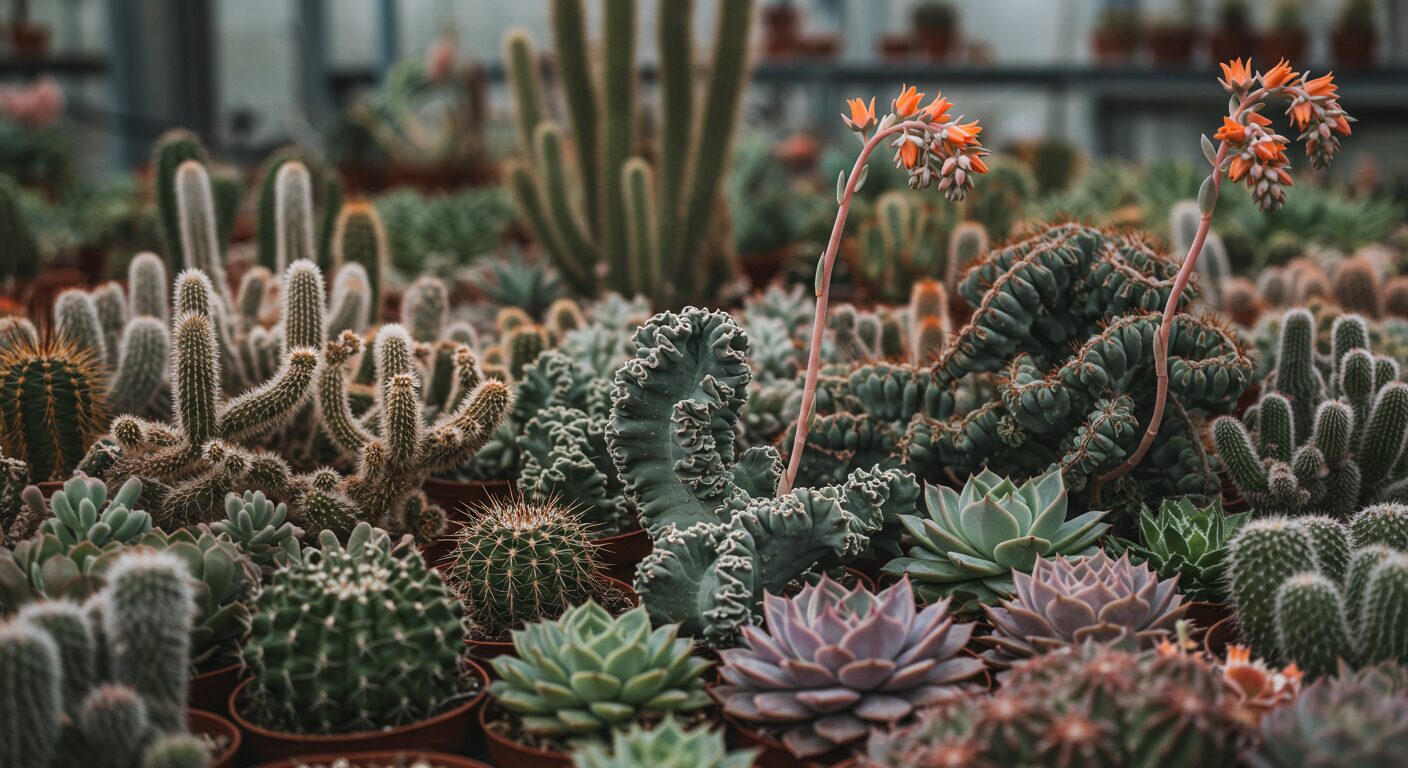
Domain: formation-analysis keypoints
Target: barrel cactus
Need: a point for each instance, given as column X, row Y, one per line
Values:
column 1093, row 599
column 1189, row 542
column 833, row 663
column 53, row 405
column 971, row 542
column 578, row 677
column 345, row 681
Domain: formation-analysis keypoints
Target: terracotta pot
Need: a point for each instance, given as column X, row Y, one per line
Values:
column 822, row 46
column 28, row 41
column 49, row 486
column 504, row 751
column 459, row 498
column 775, row 755
column 379, row 760
column 1172, row 46
column 210, row 690
column 1276, row 45
column 1228, row 44
column 1354, row 48
column 620, row 553
column 484, row 650
column 895, row 46
column 782, row 31
column 1112, row 46
column 217, row 729
column 1206, row 614
column 937, row 44
column 1220, row 635
column 448, row 731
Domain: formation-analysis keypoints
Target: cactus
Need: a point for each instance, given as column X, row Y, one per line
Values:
column 425, row 308
column 76, row 323
column 17, row 521
column 1396, row 297
column 720, row 537
column 1312, row 591
column 341, row 683
column 19, row 250
column 650, row 232
column 1300, row 450
column 518, row 561
column 1354, row 718
column 360, row 238
column 908, row 241
column 284, row 212
column 1005, row 191
column 201, row 246
column 171, row 150
column 1356, row 287
column 53, row 405
column 523, row 345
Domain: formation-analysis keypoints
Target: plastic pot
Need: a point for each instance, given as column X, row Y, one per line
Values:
column 504, row 751
column 484, row 650
column 216, row 728
column 447, row 731
column 379, row 760
column 210, row 690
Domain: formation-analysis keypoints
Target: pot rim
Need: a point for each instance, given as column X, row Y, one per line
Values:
column 226, row 755
column 332, row 739
column 493, row 735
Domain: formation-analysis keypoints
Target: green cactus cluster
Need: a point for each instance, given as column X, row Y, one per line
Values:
column 909, row 239
column 643, row 228
column 1328, row 433
column 1315, row 591
column 103, row 682
column 360, row 238
column 518, row 561
column 379, row 639
column 721, row 536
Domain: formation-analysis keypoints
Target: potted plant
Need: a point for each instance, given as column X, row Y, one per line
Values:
column 1117, row 35
column 935, row 24
column 1286, row 39
column 782, row 29
column 390, row 759
column 775, row 691
column 27, row 40
column 636, row 673
column 895, row 46
column 666, row 743
column 1172, row 36
column 1232, row 37
column 345, row 687
column 1355, row 38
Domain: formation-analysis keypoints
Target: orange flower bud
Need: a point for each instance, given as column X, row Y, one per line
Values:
column 909, row 154
column 937, row 109
column 907, row 103
column 1231, row 131
column 862, row 116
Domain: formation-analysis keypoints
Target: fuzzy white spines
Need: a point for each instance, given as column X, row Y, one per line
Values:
column 200, row 238
column 146, row 287
column 293, row 219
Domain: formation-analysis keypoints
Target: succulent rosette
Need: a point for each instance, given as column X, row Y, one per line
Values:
column 832, row 663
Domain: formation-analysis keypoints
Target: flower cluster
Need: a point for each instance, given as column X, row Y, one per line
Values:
column 34, row 106
column 1258, row 688
column 927, row 143
column 1256, row 154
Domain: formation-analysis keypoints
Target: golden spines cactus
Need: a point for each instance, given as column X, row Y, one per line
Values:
column 53, row 405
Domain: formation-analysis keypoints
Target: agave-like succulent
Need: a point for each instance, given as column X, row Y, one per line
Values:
column 586, row 672
column 1064, row 602
column 971, row 542
column 832, row 663
column 667, row 745
column 1189, row 542
column 1352, row 719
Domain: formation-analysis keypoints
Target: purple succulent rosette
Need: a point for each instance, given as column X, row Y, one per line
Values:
column 1091, row 599
column 833, row 663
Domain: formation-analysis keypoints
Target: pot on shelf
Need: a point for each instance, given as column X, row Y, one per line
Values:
column 447, row 731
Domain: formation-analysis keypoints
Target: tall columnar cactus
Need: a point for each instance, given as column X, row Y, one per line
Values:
column 907, row 241
column 104, row 683
column 76, row 322
column 19, row 250
column 425, row 308
column 647, row 226
column 1328, row 434
column 360, row 238
column 1357, row 287
column 201, row 247
column 1312, row 591
column 721, row 538
column 398, row 449
column 346, row 679
column 126, row 334
column 518, row 561
column 168, row 154
column 53, row 405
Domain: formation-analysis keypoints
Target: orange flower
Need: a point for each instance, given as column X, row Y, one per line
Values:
column 938, row 108
column 977, row 164
column 1320, row 87
column 1279, row 75
column 862, row 116
column 1268, row 151
column 907, row 103
column 1237, row 75
column 909, row 154
column 1238, row 168
column 1342, row 125
column 1232, row 131
column 963, row 135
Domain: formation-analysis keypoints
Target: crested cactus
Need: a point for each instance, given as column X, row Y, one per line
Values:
column 53, row 405
column 1325, row 435
column 1312, row 591
column 648, row 225
column 721, row 539
column 360, row 238
column 517, row 561
column 342, row 683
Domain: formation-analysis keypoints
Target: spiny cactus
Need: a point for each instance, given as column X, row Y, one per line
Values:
column 53, row 405
column 1357, row 287
column 201, row 246
column 907, row 241
column 171, row 150
column 1325, row 436
column 649, row 226
column 360, row 238
column 425, row 308
column 720, row 536
column 1354, row 718
column 1396, row 297
column 17, row 521
column 342, row 682
column 125, row 334
column 518, row 561
column 76, row 322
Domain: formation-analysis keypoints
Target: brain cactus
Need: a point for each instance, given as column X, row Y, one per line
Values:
column 516, row 561
column 1190, row 542
column 833, row 663
column 971, row 542
column 667, row 745
column 1064, row 602
column 588, row 672
column 379, row 639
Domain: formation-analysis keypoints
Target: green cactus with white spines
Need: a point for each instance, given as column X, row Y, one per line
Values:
column 171, row 150
column 350, row 305
column 1328, row 434
column 360, row 238
column 425, row 308
column 53, row 405
column 126, row 334
column 110, row 303
column 201, row 246
column 147, row 287
column 518, row 561
column 1313, row 591
column 385, row 646
column 644, row 223
column 398, row 449
column 76, row 322
column 720, row 538
column 106, row 681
